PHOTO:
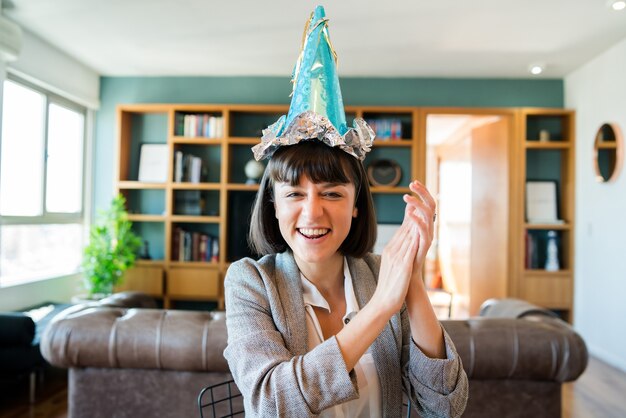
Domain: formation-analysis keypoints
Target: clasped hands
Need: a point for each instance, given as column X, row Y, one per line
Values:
column 404, row 255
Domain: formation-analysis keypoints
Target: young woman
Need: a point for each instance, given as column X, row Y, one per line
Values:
column 319, row 326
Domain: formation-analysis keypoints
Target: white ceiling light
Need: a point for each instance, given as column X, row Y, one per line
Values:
column 536, row 68
column 618, row 5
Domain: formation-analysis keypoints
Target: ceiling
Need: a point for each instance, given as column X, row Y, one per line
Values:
column 403, row 38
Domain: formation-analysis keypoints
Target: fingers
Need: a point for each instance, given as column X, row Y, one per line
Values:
column 420, row 212
column 421, row 190
column 424, row 204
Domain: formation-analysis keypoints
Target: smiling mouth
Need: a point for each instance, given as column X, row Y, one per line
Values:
column 313, row 233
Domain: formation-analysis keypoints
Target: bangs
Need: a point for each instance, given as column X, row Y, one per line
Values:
column 314, row 160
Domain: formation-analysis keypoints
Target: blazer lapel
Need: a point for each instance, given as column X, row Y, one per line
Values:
column 384, row 349
column 290, row 293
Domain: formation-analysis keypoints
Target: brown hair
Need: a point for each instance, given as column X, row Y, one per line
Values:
column 321, row 164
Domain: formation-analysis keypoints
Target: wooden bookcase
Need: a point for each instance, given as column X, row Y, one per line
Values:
column 551, row 159
column 226, row 197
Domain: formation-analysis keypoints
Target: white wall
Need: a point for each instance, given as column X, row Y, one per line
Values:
column 51, row 68
column 44, row 65
column 597, row 91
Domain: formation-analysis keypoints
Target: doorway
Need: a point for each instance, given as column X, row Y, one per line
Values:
column 467, row 171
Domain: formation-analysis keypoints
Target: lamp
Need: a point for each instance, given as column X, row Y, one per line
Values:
column 536, row 68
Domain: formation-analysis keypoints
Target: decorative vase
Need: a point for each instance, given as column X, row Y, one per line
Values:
column 254, row 170
column 552, row 258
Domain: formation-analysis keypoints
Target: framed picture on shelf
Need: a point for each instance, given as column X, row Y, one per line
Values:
column 384, row 173
column 541, row 202
column 153, row 161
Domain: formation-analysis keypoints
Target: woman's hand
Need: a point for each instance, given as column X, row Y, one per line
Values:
column 423, row 208
column 397, row 263
column 425, row 328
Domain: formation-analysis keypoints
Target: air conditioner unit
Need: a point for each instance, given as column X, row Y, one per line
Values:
column 10, row 40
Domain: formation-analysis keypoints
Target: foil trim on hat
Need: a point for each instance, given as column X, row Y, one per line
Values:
column 309, row 125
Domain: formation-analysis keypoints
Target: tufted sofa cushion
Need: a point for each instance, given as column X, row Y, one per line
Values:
column 137, row 338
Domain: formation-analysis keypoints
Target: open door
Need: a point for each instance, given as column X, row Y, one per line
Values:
column 490, row 213
column 468, row 171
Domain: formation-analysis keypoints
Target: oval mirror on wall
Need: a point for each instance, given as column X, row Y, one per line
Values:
column 608, row 152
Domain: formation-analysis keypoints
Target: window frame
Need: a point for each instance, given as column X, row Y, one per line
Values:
column 82, row 217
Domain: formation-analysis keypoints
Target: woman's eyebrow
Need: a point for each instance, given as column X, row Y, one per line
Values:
column 337, row 184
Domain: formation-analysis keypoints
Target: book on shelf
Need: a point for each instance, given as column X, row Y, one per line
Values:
column 153, row 163
column 187, row 168
column 194, row 246
column 386, row 129
column 532, row 251
column 200, row 126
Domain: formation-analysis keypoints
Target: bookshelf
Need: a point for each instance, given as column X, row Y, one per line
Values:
column 158, row 210
column 215, row 202
column 548, row 154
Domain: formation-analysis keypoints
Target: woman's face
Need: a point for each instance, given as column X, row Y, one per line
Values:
column 314, row 218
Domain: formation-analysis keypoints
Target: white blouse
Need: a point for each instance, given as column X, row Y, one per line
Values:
column 369, row 403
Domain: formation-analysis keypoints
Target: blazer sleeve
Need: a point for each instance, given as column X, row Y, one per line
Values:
column 437, row 387
column 273, row 381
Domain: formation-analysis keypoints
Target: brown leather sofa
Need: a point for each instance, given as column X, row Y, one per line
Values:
column 136, row 362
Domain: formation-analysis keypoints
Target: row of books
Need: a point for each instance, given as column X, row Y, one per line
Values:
column 386, row 128
column 194, row 246
column 187, row 168
column 204, row 125
column 531, row 255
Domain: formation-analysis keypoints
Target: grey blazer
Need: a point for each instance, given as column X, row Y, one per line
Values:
column 267, row 349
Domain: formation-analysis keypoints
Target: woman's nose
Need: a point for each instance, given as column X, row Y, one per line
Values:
column 313, row 207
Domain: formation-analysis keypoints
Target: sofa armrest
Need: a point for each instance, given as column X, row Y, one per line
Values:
column 512, row 308
column 109, row 337
column 533, row 347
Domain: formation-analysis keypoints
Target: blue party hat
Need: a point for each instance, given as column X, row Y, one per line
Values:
column 316, row 110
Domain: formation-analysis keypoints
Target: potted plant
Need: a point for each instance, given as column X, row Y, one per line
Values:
column 111, row 250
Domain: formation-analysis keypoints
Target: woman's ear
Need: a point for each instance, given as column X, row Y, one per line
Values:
column 355, row 212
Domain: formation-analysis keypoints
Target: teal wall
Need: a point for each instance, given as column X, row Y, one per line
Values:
column 276, row 90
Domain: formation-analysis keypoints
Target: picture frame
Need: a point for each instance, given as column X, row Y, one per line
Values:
column 153, row 160
column 384, row 172
column 541, row 202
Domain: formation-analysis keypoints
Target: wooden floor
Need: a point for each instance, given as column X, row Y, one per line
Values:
column 51, row 397
column 599, row 393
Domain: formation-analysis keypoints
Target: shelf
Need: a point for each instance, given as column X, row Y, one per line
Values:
column 195, row 186
column 146, row 218
column 561, row 227
column 195, row 219
column 151, row 263
column 392, row 142
column 544, row 273
column 242, row 187
column 547, row 144
column 195, row 264
column 243, row 140
column 390, row 190
column 197, row 140
column 549, row 160
column 187, row 298
column 128, row 184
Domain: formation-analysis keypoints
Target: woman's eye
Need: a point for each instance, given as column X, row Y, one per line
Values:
column 333, row 195
column 293, row 194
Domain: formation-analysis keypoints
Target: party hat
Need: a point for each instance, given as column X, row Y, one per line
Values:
column 316, row 111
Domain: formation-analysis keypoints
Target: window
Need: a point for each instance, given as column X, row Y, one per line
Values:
column 41, row 184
